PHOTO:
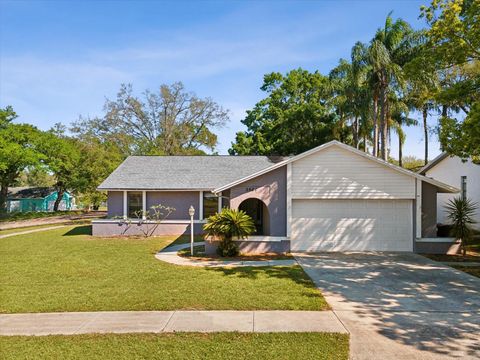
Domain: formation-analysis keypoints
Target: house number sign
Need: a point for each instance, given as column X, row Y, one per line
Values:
column 255, row 188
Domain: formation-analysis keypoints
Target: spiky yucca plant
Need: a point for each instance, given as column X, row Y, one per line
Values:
column 228, row 225
column 460, row 212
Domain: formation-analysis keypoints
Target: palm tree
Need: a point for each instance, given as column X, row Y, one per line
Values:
column 422, row 87
column 350, row 95
column 387, row 52
column 399, row 119
column 228, row 225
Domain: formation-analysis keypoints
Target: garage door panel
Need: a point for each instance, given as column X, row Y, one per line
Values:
column 352, row 225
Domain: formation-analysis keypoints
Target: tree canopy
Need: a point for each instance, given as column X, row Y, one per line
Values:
column 171, row 121
column 18, row 149
column 294, row 117
column 364, row 98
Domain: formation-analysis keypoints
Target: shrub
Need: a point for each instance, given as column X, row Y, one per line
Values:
column 229, row 225
column 460, row 212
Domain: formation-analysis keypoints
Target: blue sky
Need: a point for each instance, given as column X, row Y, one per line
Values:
column 61, row 59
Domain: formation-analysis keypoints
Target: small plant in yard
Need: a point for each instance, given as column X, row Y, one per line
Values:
column 149, row 221
column 460, row 212
column 229, row 225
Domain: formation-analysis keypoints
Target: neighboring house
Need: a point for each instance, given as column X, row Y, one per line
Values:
column 23, row 199
column 453, row 171
column 330, row 198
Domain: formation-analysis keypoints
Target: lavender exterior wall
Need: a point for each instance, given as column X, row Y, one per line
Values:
column 116, row 228
column 271, row 188
column 180, row 200
column 433, row 247
column 115, row 203
column 253, row 247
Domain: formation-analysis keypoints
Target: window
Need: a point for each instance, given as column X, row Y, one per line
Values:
column 134, row 204
column 210, row 204
column 463, row 187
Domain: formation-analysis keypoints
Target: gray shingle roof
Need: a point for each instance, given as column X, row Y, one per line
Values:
column 29, row 192
column 184, row 172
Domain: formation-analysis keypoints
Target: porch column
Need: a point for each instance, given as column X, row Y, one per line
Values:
column 418, row 208
column 125, row 211
column 289, row 199
column 144, row 205
column 219, row 202
column 200, row 205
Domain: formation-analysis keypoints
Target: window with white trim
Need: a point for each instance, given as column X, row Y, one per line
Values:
column 134, row 204
column 210, row 204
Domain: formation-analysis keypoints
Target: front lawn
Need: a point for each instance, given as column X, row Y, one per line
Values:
column 68, row 270
column 178, row 346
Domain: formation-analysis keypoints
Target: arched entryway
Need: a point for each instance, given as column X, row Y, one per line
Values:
column 258, row 211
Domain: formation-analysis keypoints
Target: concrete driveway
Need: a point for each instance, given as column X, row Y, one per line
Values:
column 400, row 306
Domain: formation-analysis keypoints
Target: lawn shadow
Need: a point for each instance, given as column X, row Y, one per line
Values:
column 79, row 230
column 183, row 239
column 294, row 273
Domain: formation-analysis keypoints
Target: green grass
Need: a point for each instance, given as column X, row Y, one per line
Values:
column 178, row 346
column 68, row 270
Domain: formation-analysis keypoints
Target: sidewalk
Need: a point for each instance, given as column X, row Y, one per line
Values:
column 168, row 321
column 50, row 220
column 31, row 231
column 170, row 255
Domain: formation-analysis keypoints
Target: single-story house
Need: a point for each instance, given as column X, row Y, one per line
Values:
column 23, row 199
column 453, row 171
column 330, row 198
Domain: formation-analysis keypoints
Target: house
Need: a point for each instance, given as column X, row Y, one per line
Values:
column 24, row 199
column 330, row 198
column 453, row 171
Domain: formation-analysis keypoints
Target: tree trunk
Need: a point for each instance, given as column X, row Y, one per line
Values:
column 60, row 193
column 444, row 111
column 3, row 198
column 375, row 125
column 365, row 149
column 356, row 137
column 383, row 124
column 425, row 133
column 400, row 150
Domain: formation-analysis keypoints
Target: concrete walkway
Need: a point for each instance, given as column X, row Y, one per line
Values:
column 31, row 231
column 170, row 255
column 51, row 220
column 400, row 306
column 168, row 321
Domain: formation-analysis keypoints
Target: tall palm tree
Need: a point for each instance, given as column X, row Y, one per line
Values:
column 399, row 119
column 388, row 51
column 350, row 95
column 422, row 86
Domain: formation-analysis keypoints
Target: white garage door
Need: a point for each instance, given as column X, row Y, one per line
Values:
column 352, row 225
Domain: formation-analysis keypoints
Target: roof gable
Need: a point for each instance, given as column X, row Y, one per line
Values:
column 443, row 187
column 433, row 163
